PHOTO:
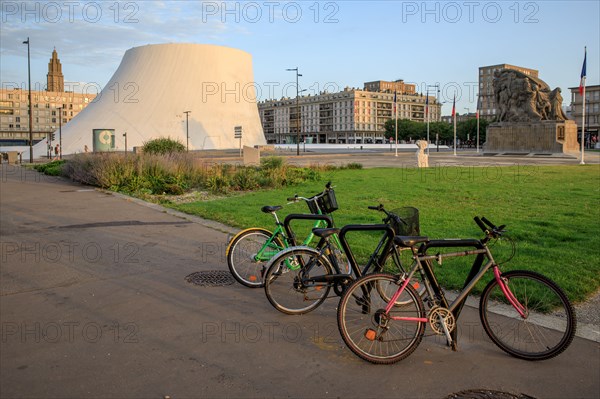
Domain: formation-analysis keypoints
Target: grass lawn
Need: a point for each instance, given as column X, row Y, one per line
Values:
column 552, row 212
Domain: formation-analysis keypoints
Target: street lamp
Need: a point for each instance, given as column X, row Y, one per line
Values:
column 477, row 115
column 297, row 109
column 187, row 130
column 30, row 113
column 59, row 133
column 437, row 85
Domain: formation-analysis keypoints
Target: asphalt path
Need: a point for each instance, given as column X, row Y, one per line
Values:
column 94, row 304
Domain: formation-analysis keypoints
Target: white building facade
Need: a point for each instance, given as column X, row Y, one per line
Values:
column 352, row 116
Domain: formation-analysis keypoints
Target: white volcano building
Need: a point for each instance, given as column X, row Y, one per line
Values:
column 155, row 85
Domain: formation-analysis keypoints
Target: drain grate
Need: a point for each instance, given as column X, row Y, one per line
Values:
column 210, row 278
column 487, row 394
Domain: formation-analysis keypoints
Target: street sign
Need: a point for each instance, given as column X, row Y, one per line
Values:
column 237, row 131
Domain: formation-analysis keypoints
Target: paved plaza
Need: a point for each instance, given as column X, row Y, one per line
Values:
column 94, row 303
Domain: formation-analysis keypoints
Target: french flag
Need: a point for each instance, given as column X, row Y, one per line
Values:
column 454, row 106
column 583, row 73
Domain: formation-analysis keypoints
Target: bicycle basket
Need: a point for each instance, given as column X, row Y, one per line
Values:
column 409, row 221
column 327, row 203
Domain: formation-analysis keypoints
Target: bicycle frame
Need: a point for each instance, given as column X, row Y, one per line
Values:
column 423, row 261
column 289, row 239
column 377, row 257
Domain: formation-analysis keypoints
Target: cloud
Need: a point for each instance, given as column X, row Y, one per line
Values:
column 96, row 34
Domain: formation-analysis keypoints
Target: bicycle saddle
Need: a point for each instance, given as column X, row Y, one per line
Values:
column 270, row 209
column 324, row 233
column 409, row 241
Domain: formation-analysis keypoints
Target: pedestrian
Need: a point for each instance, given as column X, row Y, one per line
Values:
column 56, row 150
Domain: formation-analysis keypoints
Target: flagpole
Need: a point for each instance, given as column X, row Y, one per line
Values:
column 478, row 131
column 582, row 92
column 454, row 115
column 583, row 123
column 427, row 112
column 396, row 118
column 455, row 134
column 477, row 145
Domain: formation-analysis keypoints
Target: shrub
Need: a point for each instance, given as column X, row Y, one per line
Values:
column 354, row 165
column 177, row 173
column 246, row 179
column 272, row 162
column 53, row 168
column 163, row 146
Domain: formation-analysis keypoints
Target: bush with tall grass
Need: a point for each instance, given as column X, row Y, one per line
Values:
column 163, row 146
column 53, row 168
column 178, row 173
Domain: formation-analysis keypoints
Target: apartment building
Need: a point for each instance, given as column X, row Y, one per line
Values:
column 351, row 116
column 592, row 111
column 50, row 107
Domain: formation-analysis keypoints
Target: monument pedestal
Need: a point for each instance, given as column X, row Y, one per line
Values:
column 543, row 137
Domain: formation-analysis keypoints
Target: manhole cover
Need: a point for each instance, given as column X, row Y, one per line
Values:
column 487, row 394
column 210, row 278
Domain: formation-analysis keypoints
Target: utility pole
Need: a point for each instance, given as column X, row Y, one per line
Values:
column 187, row 130
column 30, row 111
column 59, row 133
column 297, row 109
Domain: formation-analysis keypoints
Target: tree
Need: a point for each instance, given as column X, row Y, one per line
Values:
column 468, row 129
column 407, row 129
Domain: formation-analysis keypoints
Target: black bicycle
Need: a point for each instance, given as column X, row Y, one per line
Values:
column 299, row 279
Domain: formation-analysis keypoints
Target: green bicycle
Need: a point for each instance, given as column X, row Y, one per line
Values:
column 250, row 250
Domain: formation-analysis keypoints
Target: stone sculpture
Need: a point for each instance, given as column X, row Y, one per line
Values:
column 422, row 158
column 523, row 98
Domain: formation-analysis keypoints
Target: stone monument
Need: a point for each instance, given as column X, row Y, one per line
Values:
column 530, row 118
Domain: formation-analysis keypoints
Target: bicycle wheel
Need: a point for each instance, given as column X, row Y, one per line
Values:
column 549, row 323
column 248, row 254
column 288, row 283
column 372, row 334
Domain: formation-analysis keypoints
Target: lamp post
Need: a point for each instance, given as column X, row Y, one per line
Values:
column 29, row 98
column 297, row 109
column 437, row 85
column 477, row 117
column 187, row 130
column 59, row 133
column 125, row 136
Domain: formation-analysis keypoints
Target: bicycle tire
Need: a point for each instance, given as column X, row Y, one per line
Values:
column 533, row 337
column 242, row 255
column 367, row 332
column 283, row 286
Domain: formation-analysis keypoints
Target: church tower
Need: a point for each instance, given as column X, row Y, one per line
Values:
column 55, row 78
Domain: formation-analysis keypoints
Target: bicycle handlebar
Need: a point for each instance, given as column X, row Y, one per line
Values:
column 296, row 197
column 491, row 230
column 480, row 224
column 490, row 224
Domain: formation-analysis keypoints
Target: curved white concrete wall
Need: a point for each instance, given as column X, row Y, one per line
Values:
column 155, row 84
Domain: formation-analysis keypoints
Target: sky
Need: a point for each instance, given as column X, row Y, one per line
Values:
column 335, row 44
